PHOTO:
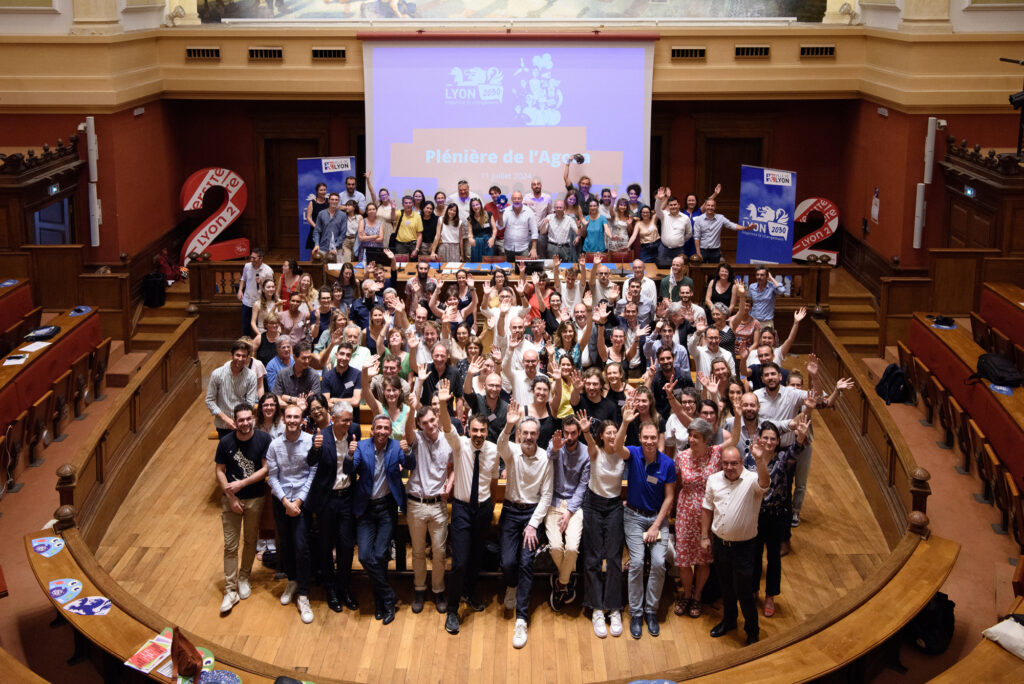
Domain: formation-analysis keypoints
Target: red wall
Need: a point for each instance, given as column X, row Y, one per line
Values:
column 136, row 158
column 888, row 153
column 841, row 149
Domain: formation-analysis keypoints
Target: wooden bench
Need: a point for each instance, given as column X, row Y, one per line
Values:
column 129, row 624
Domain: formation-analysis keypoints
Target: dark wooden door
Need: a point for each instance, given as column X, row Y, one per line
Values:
column 53, row 224
column 722, row 165
column 283, row 203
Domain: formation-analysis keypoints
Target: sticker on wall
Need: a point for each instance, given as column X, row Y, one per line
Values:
column 89, row 605
column 47, row 547
column 64, row 590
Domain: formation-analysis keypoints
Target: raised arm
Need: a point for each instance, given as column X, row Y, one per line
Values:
column 370, row 369
column 798, row 316
column 628, row 416
column 584, row 422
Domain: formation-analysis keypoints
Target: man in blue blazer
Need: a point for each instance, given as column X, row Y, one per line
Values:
column 379, row 493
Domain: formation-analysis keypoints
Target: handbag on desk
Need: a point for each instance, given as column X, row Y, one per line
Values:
column 42, row 334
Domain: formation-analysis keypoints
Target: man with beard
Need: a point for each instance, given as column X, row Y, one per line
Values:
column 564, row 520
column 490, row 406
column 475, row 466
column 527, row 497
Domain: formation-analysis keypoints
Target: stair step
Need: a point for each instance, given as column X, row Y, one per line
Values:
column 850, row 325
column 148, row 340
column 116, row 352
column 860, row 298
column 169, row 305
column 121, row 371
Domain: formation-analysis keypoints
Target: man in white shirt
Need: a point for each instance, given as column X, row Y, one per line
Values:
column 732, row 503
column 704, row 354
column 253, row 274
column 560, row 230
column 513, row 346
column 462, row 200
column 350, row 193
column 427, row 511
column 520, row 224
column 675, row 227
column 782, row 402
column 648, row 288
column 527, row 498
column 475, row 469
column 521, row 380
column 538, row 200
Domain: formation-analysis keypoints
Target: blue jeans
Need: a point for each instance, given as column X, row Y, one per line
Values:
column 516, row 559
column 649, row 252
column 634, row 525
column 667, row 254
column 480, row 249
column 373, row 534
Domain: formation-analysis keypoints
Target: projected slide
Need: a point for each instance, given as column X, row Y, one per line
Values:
column 502, row 115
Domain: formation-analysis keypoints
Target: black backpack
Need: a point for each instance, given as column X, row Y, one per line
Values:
column 997, row 369
column 893, row 385
column 932, row 630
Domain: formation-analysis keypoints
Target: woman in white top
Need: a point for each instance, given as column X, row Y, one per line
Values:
column 603, row 535
column 266, row 304
column 448, row 244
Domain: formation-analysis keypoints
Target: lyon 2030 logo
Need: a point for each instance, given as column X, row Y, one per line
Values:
column 474, row 84
column 774, row 222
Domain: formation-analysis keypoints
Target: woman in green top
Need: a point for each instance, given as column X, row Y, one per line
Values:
column 394, row 398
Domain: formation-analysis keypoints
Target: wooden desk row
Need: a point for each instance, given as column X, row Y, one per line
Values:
column 1002, row 307
column 17, row 317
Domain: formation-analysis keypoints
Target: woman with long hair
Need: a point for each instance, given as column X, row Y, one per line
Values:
column 266, row 304
column 648, row 235
column 619, row 234
column 776, row 514
column 318, row 413
column 394, row 404
column 473, row 348
column 721, row 289
column 603, row 532
column 396, row 346
column 310, row 295
column 499, row 279
column 566, row 345
column 317, row 203
column 642, row 400
column 371, row 231
column 618, row 352
column 744, row 326
column 541, row 409
column 289, row 281
column 594, row 227
column 726, row 336
column 266, row 342
column 460, row 339
column 465, row 290
column 450, row 234
column 483, row 230
column 269, row 416
column 430, row 219
column 348, row 286
column 355, row 220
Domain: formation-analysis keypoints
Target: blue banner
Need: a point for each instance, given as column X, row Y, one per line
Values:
column 331, row 171
column 767, row 200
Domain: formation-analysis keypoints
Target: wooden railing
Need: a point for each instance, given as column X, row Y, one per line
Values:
column 871, row 441
column 120, row 445
column 110, row 294
column 956, row 275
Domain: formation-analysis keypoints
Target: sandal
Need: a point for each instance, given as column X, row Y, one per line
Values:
column 769, row 606
column 696, row 608
column 681, row 606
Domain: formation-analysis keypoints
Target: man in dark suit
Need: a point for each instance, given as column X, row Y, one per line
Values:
column 330, row 498
column 379, row 493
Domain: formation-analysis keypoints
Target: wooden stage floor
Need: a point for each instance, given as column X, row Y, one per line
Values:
column 165, row 546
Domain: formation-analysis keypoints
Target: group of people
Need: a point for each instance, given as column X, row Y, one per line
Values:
column 467, row 228
column 565, row 386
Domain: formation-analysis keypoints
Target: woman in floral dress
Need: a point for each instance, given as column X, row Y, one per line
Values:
column 693, row 468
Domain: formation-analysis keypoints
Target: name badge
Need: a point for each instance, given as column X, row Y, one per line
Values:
column 348, row 385
column 622, row 402
column 492, row 417
column 653, row 479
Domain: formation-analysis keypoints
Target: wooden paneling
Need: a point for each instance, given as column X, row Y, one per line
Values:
column 901, row 297
column 869, row 267
column 1003, row 269
column 14, row 264
column 956, row 279
column 55, row 270
column 111, row 294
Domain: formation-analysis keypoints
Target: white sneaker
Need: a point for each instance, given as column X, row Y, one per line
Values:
column 244, row 590
column 616, row 626
column 510, row 598
column 304, row 610
column 289, row 593
column 600, row 629
column 519, row 635
column 230, row 599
